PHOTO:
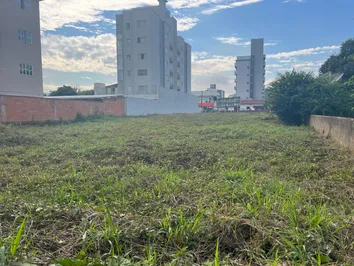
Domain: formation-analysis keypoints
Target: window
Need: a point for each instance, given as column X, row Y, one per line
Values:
column 28, row 37
column 142, row 72
column 141, row 23
column 141, row 56
column 26, row 70
column 127, row 26
column 129, row 57
column 127, row 40
column 24, row 4
column 113, row 90
column 141, row 39
column 129, row 73
column 21, row 35
column 143, row 89
column 24, row 36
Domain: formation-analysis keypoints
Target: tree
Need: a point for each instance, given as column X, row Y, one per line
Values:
column 341, row 63
column 65, row 91
column 286, row 97
column 87, row 92
column 295, row 96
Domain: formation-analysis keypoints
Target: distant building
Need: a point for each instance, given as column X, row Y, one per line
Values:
column 102, row 89
column 221, row 94
column 208, row 98
column 20, row 48
column 250, row 73
column 151, row 57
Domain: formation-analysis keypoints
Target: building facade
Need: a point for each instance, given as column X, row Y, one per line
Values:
column 250, row 73
column 20, row 48
column 151, row 57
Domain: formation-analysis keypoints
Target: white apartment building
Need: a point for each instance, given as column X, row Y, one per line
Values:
column 250, row 73
column 20, row 48
column 152, row 59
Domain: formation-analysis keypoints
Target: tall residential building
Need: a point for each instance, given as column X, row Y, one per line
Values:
column 151, row 57
column 250, row 73
column 20, row 48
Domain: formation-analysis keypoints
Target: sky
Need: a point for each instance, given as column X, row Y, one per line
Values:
column 79, row 44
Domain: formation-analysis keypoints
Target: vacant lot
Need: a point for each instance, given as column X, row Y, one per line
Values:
column 208, row 189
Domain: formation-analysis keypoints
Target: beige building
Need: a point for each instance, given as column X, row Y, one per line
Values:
column 20, row 48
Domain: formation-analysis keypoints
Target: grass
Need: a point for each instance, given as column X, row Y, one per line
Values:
column 208, row 189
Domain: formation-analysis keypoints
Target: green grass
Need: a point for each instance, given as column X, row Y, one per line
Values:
column 208, row 189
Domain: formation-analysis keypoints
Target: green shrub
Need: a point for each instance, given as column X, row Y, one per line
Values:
column 295, row 96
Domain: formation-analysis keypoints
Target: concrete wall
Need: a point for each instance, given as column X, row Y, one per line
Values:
column 15, row 109
column 13, row 52
column 172, row 102
column 338, row 128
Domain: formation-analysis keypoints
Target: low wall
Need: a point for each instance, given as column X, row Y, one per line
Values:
column 14, row 109
column 339, row 129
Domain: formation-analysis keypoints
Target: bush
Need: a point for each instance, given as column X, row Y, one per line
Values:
column 295, row 96
column 286, row 95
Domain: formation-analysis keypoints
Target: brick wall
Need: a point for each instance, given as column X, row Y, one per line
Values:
column 339, row 129
column 14, row 109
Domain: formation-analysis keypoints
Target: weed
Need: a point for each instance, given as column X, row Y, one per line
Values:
column 215, row 189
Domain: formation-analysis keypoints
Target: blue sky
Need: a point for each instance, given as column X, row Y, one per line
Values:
column 78, row 36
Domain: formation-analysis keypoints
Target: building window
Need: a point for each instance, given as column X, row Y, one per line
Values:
column 113, row 90
column 24, row 4
column 28, row 37
column 141, row 56
column 127, row 26
column 129, row 73
column 26, row 70
column 142, row 72
column 24, row 36
column 21, row 35
column 127, row 40
column 143, row 89
column 129, row 57
column 141, row 23
column 141, row 39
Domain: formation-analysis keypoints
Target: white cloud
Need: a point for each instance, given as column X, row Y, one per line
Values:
column 57, row 13
column 79, row 53
column 309, row 51
column 234, row 4
column 270, row 44
column 231, row 40
column 238, row 41
column 186, row 23
column 203, row 63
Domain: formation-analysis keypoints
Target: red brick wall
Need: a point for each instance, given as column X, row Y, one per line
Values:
column 31, row 109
